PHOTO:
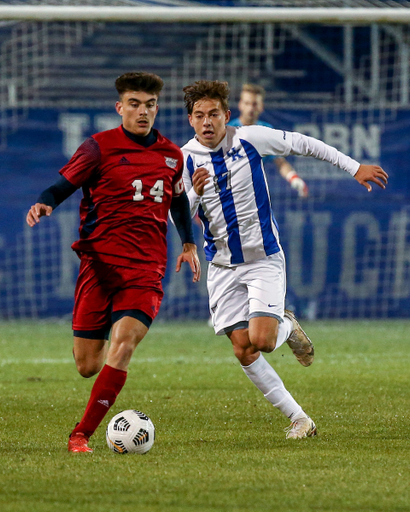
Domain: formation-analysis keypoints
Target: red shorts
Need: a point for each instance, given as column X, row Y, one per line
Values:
column 103, row 288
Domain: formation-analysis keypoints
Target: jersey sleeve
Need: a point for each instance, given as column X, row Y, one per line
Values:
column 178, row 182
column 309, row 146
column 83, row 163
column 267, row 141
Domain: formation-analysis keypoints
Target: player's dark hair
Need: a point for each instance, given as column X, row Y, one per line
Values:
column 254, row 89
column 139, row 81
column 212, row 89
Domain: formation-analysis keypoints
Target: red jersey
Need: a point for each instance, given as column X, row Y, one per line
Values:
column 128, row 190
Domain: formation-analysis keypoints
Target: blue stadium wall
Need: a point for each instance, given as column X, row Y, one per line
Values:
column 348, row 252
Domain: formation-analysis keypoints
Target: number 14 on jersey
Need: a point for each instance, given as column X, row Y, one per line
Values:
column 156, row 192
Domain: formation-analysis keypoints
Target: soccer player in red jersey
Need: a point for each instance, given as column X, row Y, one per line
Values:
column 131, row 178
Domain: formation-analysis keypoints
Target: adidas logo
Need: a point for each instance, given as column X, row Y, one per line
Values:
column 124, row 161
column 104, row 402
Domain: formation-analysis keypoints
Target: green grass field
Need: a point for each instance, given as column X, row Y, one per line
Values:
column 220, row 445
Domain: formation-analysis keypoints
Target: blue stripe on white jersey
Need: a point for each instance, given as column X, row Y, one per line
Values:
column 239, row 226
column 209, row 247
column 228, row 207
column 262, row 199
column 190, row 166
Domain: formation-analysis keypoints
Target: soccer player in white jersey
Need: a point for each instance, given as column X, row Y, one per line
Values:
column 225, row 181
column 250, row 107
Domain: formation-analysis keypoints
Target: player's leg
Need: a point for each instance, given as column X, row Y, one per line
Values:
column 261, row 373
column 89, row 355
column 91, row 327
column 130, row 325
column 269, row 324
column 127, row 332
column 233, row 290
column 265, row 378
column 265, row 331
column 91, row 317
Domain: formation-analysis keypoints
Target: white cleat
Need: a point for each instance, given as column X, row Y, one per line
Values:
column 303, row 427
column 299, row 343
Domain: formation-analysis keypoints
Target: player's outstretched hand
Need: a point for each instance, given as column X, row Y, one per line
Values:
column 36, row 211
column 199, row 179
column 372, row 173
column 190, row 255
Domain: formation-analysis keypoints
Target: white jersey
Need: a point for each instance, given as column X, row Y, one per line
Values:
column 235, row 209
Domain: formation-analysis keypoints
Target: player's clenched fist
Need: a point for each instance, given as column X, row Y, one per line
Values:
column 36, row 211
column 199, row 179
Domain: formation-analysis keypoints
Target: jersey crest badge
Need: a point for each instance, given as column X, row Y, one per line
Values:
column 171, row 162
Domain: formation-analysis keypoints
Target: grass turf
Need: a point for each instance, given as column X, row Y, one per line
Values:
column 220, row 445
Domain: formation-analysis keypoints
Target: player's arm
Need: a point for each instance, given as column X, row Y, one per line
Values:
column 189, row 177
column 194, row 201
column 181, row 216
column 270, row 142
column 287, row 172
column 49, row 199
column 309, row 146
column 74, row 174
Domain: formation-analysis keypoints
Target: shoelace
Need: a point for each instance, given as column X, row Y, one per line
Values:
column 296, row 426
column 288, row 429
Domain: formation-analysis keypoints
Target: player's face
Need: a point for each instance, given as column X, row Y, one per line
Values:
column 138, row 110
column 209, row 119
column 250, row 107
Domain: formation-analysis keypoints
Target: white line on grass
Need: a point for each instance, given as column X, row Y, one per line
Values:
column 168, row 360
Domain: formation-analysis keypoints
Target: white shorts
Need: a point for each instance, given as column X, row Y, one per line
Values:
column 250, row 290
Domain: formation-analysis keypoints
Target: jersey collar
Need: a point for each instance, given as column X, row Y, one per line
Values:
column 146, row 141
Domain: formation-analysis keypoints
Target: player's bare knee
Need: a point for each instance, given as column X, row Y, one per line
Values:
column 264, row 343
column 245, row 354
column 270, row 347
column 86, row 370
column 88, row 367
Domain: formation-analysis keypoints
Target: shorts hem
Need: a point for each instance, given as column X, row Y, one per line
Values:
column 136, row 313
column 243, row 324
column 93, row 334
column 257, row 314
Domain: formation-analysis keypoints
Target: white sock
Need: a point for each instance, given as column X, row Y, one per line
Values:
column 261, row 373
column 285, row 328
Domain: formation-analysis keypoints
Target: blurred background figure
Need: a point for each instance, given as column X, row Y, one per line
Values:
column 250, row 107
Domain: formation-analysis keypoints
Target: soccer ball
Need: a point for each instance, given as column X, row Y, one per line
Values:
column 130, row 432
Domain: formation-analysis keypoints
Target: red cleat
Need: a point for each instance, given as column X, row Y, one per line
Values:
column 78, row 442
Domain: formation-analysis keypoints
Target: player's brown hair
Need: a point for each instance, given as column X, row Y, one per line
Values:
column 254, row 89
column 212, row 89
column 139, row 81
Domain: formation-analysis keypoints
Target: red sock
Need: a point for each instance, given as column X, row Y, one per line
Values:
column 108, row 384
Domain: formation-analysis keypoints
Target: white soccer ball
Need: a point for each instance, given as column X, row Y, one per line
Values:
column 130, row 432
